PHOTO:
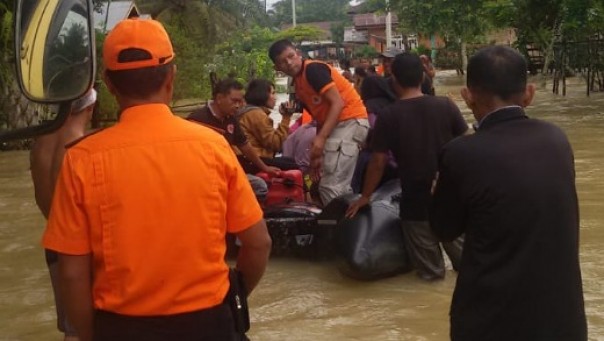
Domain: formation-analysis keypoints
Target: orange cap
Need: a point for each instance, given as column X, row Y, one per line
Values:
column 141, row 34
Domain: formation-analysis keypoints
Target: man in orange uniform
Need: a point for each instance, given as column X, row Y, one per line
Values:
column 141, row 209
column 341, row 116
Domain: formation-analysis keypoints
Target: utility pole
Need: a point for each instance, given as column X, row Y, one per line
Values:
column 294, row 13
column 388, row 25
column 106, row 17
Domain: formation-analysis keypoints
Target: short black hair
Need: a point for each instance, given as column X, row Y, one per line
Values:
column 278, row 47
column 138, row 83
column 360, row 71
column 408, row 69
column 225, row 86
column 497, row 70
column 258, row 91
column 375, row 87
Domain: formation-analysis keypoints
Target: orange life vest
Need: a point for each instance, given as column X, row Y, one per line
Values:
column 314, row 102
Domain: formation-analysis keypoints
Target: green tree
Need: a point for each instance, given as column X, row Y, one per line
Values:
column 595, row 17
column 337, row 32
column 337, row 35
column 541, row 23
column 6, row 59
column 457, row 21
column 192, row 80
column 201, row 30
column 245, row 57
column 309, row 11
column 16, row 110
column 239, row 12
column 366, row 51
column 371, row 6
column 302, row 33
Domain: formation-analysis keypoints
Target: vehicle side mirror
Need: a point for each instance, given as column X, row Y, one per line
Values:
column 55, row 54
column 55, row 57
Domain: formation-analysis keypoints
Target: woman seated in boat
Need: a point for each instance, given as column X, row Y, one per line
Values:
column 258, row 126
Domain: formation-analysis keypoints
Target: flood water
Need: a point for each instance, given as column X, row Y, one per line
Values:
column 303, row 300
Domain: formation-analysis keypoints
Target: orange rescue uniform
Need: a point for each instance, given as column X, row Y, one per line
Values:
column 152, row 199
column 306, row 117
column 313, row 101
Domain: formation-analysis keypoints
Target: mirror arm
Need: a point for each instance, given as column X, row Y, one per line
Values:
column 29, row 132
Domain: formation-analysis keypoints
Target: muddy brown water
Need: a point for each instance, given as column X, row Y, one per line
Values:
column 303, row 300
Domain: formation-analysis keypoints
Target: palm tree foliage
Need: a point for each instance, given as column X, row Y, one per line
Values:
column 201, row 31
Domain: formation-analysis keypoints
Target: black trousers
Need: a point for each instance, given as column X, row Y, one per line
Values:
column 212, row 324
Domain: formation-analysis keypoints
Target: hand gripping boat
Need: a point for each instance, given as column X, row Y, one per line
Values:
column 370, row 245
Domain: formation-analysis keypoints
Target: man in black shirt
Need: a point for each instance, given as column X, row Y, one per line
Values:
column 219, row 114
column 414, row 128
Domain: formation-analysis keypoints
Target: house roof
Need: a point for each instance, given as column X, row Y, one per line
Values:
column 112, row 12
column 372, row 20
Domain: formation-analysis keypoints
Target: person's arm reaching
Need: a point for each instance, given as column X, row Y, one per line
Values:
column 75, row 285
column 430, row 70
column 251, row 155
column 428, row 67
column 375, row 171
column 253, row 253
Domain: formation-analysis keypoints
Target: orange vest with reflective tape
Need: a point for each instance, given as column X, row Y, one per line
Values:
column 318, row 107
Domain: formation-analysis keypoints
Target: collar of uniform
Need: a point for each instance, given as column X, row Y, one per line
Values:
column 304, row 62
column 501, row 115
column 145, row 112
column 210, row 103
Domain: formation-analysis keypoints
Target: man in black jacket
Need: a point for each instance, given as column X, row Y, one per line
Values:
column 510, row 187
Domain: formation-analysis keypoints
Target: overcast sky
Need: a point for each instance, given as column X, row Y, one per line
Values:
column 269, row 3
